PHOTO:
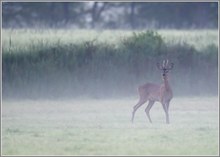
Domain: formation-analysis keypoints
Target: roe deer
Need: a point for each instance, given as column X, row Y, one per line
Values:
column 153, row 92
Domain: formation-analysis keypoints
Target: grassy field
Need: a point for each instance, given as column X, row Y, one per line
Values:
column 103, row 127
column 27, row 38
column 59, row 64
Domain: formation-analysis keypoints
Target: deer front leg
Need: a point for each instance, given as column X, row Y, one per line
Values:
column 166, row 112
column 168, row 104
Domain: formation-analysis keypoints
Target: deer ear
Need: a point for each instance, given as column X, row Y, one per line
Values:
column 171, row 66
column 159, row 66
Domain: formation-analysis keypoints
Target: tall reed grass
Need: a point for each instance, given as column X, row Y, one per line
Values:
column 68, row 63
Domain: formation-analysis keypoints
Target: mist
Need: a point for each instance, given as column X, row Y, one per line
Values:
column 56, row 64
column 71, row 73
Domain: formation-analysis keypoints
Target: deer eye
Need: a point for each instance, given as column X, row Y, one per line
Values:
column 165, row 71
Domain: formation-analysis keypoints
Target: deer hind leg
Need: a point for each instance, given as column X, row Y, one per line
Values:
column 139, row 104
column 147, row 110
column 165, row 107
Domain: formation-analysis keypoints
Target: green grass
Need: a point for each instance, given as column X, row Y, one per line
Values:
column 103, row 127
column 26, row 38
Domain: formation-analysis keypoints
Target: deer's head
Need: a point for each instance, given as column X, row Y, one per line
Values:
column 165, row 68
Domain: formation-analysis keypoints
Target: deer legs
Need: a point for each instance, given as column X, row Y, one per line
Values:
column 165, row 107
column 147, row 110
column 135, row 109
column 168, row 104
column 150, row 104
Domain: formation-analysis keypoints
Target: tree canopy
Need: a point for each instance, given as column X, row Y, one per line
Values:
column 111, row 15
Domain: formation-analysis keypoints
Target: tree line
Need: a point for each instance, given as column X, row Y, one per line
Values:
column 110, row 15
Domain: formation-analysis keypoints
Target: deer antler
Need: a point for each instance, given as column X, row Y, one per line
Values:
column 159, row 66
column 163, row 63
column 167, row 63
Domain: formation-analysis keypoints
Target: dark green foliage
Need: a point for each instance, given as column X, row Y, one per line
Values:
column 147, row 43
column 135, row 15
column 95, row 69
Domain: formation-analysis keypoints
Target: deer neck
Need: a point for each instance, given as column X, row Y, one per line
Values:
column 166, row 84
